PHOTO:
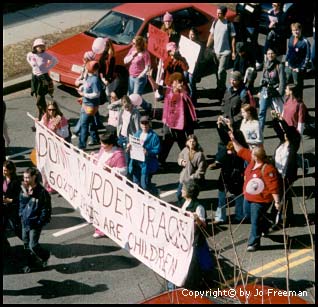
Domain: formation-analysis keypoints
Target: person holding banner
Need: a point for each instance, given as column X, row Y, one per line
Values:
column 55, row 121
column 128, row 123
column 173, row 63
column 139, row 59
column 109, row 155
column 201, row 268
column 142, row 171
column 195, row 76
column 168, row 27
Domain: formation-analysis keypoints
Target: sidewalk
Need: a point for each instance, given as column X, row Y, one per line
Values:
column 46, row 19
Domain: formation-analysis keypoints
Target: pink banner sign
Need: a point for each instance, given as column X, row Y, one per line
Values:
column 157, row 42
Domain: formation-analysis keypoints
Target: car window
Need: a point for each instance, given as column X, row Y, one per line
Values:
column 120, row 28
column 187, row 18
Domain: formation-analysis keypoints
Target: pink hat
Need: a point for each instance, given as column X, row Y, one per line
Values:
column 171, row 46
column 167, row 17
column 38, row 42
column 89, row 56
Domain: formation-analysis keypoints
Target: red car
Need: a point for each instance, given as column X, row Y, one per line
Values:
column 121, row 25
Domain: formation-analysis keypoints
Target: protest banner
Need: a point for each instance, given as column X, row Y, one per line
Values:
column 157, row 42
column 155, row 232
column 190, row 51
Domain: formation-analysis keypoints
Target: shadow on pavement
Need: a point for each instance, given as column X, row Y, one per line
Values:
column 52, row 289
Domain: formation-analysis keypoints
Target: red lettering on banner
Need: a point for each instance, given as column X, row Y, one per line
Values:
column 157, row 42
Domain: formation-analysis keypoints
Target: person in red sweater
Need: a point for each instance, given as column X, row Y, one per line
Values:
column 294, row 111
column 261, row 187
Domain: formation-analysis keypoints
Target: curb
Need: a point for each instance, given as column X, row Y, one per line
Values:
column 16, row 85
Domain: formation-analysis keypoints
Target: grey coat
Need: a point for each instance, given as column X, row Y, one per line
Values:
column 194, row 169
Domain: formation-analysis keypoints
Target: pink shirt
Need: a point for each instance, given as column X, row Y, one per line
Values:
column 139, row 63
column 41, row 63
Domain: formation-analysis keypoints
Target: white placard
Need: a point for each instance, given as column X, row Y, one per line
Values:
column 136, row 150
column 190, row 51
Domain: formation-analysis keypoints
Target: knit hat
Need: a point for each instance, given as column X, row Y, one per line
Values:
column 240, row 47
column 38, row 42
column 171, row 46
column 236, row 75
column 89, row 56
column 167, row 17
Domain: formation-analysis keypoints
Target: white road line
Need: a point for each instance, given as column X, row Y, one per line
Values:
column 167, row 193
column 70, row 229
column 19, row 154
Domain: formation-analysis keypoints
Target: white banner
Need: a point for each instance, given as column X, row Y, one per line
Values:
column 153, row 231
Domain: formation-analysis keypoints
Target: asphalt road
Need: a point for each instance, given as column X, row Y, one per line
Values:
column 86, row 270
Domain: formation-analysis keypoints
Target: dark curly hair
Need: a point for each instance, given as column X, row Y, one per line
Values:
column 191, row 188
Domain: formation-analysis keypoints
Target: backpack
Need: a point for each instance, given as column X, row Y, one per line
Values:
column 228, row 29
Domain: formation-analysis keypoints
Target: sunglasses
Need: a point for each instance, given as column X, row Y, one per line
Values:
column 51, row 109
column 144, row 123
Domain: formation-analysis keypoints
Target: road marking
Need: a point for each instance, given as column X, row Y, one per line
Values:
column 278, row 261
column 167, row 193
column 19, row 154
column 70, row 229
column 291, row 265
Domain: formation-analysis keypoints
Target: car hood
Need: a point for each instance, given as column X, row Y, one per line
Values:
column 71, row 50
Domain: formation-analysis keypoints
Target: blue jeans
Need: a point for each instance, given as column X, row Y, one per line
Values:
column 295, row 77
column 264, row 103
column 143, row 180
column 259, row 223
column 220, row 214
column 137, row 85
column 179, row 194
column 31, row 243
column 87, row 121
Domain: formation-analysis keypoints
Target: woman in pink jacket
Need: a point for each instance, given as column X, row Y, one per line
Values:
column 178, row 117
column 111, row 156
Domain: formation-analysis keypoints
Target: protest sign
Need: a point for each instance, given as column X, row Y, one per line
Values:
column 155, row 232
column 157, row 42
column 190, row 51
column 136, row 150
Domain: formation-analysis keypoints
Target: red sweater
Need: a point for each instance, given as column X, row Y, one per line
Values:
column 270, row 179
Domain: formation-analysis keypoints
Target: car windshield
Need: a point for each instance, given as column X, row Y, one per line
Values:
column 120, row 28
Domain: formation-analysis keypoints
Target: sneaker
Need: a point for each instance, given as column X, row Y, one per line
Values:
column 215, row 165
column 26, row 269
column 33, row 128
column 252, row 248
column 74, row 136
column 97, row 235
